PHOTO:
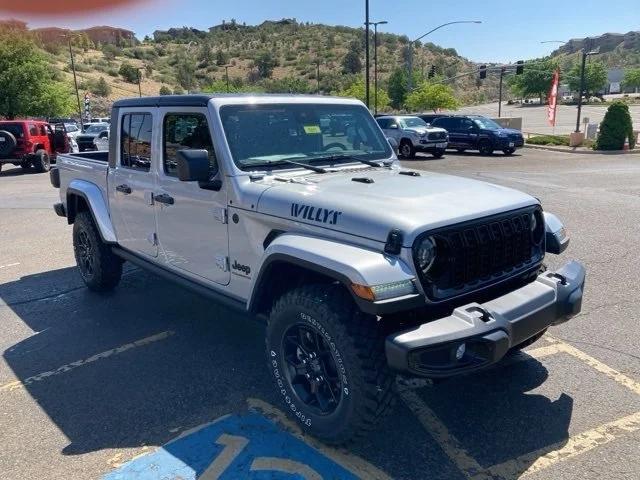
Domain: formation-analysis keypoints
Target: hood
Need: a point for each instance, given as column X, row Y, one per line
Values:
column 507, row 131
column 371, row 210
column 423, row 130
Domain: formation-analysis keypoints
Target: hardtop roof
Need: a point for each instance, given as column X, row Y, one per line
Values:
column 201, row 100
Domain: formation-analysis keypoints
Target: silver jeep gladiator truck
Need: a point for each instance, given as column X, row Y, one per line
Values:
column 362, row 269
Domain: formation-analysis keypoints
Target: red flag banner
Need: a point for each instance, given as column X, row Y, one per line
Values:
column 553, row 99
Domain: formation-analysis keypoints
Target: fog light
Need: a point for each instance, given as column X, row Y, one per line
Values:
column 461, row 351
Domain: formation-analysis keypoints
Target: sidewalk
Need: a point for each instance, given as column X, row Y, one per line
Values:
column 581, row 150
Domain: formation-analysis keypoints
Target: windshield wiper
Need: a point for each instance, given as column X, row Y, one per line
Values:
column 297, row 164
column 371, row 163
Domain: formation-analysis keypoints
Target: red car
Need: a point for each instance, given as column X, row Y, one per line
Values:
column 31, row 143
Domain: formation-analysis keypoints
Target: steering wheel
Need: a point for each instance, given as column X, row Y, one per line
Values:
column 331, row 146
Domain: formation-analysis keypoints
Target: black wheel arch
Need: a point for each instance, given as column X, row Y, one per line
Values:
column 77, row 201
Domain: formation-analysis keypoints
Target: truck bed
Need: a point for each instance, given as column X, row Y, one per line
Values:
column 90, row 167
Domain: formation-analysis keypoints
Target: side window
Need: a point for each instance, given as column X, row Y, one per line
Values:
column 466, row 124
column 442, row 123
column 185, row 131
column 135, row 141
column 33, row 130
column 43, row 130
column 384, row 123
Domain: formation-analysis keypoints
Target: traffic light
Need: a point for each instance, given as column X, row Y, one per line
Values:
column 519, row 67
column 483, row 72
column 432, row 71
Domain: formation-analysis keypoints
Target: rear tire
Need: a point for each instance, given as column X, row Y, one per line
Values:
column 100, row 269
column 41, row 161
column 407, row 150
column 328, row 362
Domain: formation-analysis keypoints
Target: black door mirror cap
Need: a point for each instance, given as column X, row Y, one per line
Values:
column 193, row 166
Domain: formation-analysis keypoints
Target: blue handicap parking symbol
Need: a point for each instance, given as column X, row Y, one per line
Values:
column 246, row 446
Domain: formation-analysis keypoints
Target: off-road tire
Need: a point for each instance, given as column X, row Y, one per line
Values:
column 41, row 161
column 8, row 146
column 485, row 148
column 437, row 153
column 509, row 151
column 406, row 149
column 356, row 344
column 106, row 268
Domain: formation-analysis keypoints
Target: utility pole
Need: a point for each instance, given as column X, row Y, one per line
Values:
column 226, row 74
column 366, row 53
column 75, row 80
column 139, row 81
column 502, row 71
column 582, row 87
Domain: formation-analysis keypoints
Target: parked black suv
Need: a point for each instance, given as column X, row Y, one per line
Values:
column 474, row 132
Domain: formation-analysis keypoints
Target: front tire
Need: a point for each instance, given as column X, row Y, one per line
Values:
column 100, row 269
column 328, row 362
column 407, row 150
column 509, row 151
column 437, row 153
column 485, row 148
column 41, row 161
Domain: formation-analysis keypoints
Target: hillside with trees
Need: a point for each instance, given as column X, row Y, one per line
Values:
column 276, row 56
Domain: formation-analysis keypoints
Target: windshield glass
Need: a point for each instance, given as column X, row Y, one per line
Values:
column 412, row 122
column 70, row 128
column 259, row 135
column 96, row 129
column 487, row 123
column 14, row 128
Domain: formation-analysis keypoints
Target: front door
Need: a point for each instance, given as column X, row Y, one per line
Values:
column 191, row 218
column 133, row 184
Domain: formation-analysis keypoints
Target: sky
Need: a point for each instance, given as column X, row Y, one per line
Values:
column 510, row 30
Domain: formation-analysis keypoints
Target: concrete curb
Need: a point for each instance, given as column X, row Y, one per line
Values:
column 581, row 151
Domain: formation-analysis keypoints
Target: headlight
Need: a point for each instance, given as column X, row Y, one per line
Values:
column 426, row 254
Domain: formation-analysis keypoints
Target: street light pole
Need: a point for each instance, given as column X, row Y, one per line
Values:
column 75, row 80
column 502, row 71
column 410, row 79
column 375, row 63
column 366, row 54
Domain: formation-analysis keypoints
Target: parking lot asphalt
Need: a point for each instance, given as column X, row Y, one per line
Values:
column 153, row 380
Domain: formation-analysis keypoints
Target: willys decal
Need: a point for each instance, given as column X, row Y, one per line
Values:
column 315, row 214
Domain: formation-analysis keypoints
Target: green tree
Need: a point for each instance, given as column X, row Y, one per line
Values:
column 536, row 79
column 186, row 73
column 110, row 52
column 164, row 90
column 357, row 90
column 616, row 128
column 595, row 78
column 351, row 63
column 265, row 63
column 221, row 58
column 27, row 83
column 432, row 96
column 206, row 53
column 287, row 85
column 632, row 78
column 129, row 73
column 397, row 88
column 101, row 88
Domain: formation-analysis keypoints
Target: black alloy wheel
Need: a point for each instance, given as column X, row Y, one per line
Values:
column 85, row 255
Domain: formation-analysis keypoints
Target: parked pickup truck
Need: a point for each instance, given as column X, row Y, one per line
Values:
column 361, row 268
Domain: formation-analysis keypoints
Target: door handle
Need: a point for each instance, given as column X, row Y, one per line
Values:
column 164, row 198
column 126, row 189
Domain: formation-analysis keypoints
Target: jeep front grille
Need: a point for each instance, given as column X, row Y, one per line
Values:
column 480, row 253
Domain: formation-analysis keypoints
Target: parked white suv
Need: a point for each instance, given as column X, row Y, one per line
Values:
column 414, row 135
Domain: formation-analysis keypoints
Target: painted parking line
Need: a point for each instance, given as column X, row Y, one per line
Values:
column 18, row 384
column 541, row 459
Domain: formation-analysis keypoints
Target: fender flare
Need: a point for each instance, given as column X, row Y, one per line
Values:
column 345, row 263
column 92, row 195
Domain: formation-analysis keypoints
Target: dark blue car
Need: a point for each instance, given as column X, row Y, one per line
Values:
column 474, row 132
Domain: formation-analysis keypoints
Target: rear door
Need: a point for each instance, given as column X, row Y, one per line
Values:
column 192, row 221
column 451, row 125
column 134, row 181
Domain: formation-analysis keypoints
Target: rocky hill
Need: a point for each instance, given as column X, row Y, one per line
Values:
column 616, row 49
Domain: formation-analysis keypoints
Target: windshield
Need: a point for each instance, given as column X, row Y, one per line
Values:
column 14, row 128
column 70, row 128
column 412, row 122
column 487, row 123
column 96, row 128
column 260, row 135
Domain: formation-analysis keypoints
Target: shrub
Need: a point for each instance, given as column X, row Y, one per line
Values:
column 562, row 140
column 616, row 128
column 100, row 88
column 129, row 72
column 164, row 90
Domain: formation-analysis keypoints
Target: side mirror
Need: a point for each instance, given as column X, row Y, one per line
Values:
column 104, row 134
column 193, row 165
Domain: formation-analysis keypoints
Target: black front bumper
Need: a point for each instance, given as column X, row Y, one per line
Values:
column 476, row 336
